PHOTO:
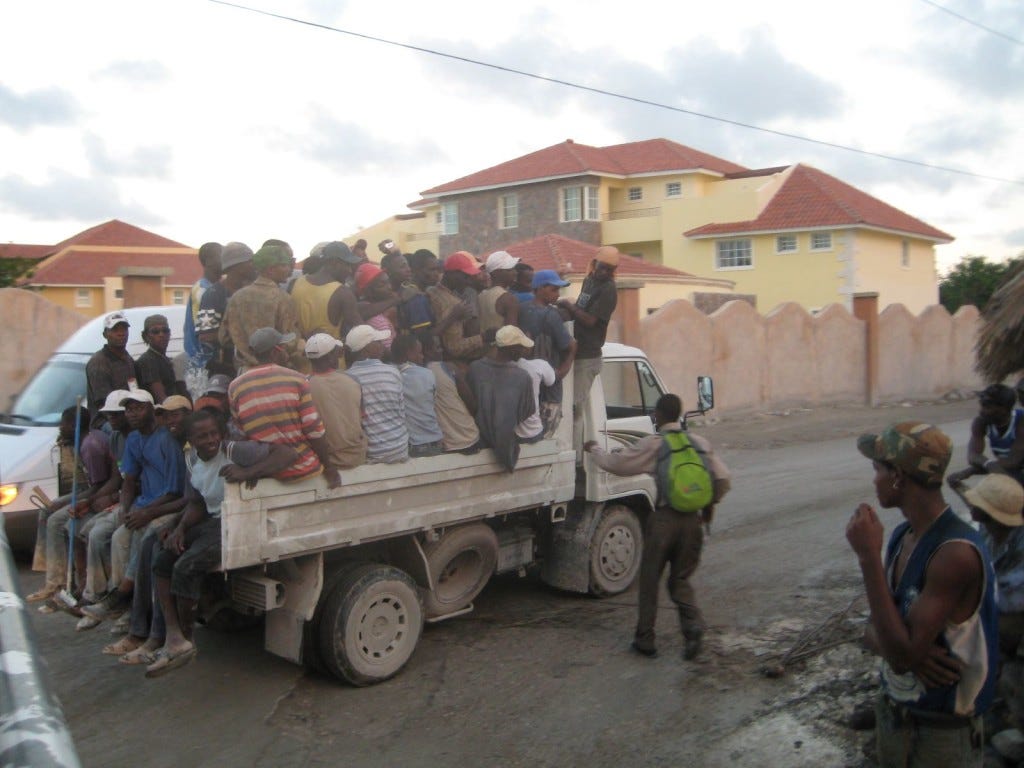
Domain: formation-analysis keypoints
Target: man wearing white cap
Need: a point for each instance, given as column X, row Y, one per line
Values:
column 498, row 307
column 111, row 367
column 387, row 436
column 338, row 397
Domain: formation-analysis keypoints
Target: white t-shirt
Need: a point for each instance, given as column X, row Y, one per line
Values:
column 205, row 478
column 540, row 372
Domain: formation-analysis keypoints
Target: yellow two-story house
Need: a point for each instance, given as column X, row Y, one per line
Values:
column 791, row 233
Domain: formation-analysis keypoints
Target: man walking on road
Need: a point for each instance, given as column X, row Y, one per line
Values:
column 670, row 537
column 933, row 607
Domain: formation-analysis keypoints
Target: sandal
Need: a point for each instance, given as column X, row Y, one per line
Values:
column 141, row 655
column 166, row 662
column 124, row 645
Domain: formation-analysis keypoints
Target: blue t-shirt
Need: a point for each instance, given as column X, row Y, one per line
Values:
column 545, row 326
column 159, row 463
column 419, row 387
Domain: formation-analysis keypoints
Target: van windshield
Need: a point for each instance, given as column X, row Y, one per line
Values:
column 51, row 390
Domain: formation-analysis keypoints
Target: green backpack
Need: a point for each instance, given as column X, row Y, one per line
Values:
column 683, row 479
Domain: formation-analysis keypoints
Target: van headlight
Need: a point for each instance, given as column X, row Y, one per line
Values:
column 8, row 493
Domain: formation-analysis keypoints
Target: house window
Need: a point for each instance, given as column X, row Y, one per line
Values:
column 579, row 203
column 635, row 194
column 119, row 293
column 83, row 297
column 178, row 296
column 508, row 211
column 733, row 254
column 450, row 222
column 821, row 241
column 438, row 218
column 674, row 189
column 905, row 254
column 785, row 243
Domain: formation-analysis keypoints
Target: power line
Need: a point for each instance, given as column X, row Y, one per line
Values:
column 621, row 96
column 974, row 23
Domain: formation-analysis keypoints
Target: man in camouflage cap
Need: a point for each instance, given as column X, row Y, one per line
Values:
column 933, row 609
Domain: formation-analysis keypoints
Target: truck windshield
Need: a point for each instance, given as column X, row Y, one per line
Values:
column 51, row 390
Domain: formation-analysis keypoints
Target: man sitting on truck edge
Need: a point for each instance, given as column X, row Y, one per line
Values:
column 192, row 548
column 419, row 390
column 339, row 399
column 273, row 404
column 670, row 537
column 1002, row 425
column 387, row 435
column 109, row 369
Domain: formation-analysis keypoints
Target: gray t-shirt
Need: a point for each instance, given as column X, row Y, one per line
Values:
column 504, row 398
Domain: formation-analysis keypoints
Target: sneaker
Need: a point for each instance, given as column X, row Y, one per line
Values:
column 110, row 607
column 644, row 649
column 694, row 641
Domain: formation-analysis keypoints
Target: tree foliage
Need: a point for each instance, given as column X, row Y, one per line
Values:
column 974, row 280
column 11, row 270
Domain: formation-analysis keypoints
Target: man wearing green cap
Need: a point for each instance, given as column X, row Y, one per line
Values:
column 933, row 607
column 263, row 304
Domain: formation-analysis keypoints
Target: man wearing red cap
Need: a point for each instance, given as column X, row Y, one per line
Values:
column 374, row 290
column 457, row 341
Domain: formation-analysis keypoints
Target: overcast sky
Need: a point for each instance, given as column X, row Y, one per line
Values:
column 205, row 122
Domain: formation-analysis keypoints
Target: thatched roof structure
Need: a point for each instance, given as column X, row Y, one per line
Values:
column 1000, row 347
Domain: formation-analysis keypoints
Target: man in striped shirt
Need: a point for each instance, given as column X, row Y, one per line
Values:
column 273, row 404
column 384, row 422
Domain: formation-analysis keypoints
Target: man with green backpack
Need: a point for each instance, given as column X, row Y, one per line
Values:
column 691, row 480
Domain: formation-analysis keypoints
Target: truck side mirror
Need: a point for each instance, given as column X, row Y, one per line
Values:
column 705, row 393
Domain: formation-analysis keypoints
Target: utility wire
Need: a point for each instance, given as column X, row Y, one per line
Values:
column 974, row 23
column 622, row 96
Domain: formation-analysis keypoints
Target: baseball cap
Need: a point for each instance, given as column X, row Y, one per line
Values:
column 270, row 256
column 320, row 344
column 138, row 395
column 362, row 335
column 510, row 336
column 235, row 253
column 114, row 399
column 921, row 450
column 500, row 260
column 218, row 383
column 366, row 273
column 548, row 277
column 997, row 394
column 263, row 340
column 338, row 250
column 114, row 319
column 1000, row 497
column 174, row 403
column 462, row 261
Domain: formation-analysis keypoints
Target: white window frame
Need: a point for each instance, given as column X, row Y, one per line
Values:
column 83, row 297
column 635, row 194
column 449, row 218
column 178, row 297
column 579, row 203
column 673, row 189
column 439, row 217
column 827, row 247
column 592, row 206
column 735, row 245
column 905, row 254
column 508, row 211
column 778, row 243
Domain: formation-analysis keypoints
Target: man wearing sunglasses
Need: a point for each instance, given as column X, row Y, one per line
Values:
column 156, row 373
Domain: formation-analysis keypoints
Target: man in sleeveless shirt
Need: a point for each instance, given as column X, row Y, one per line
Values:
column 1002, row 425
column 933, row 606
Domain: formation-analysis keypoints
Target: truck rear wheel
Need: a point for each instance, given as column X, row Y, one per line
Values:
column 615, row 550
column 370, row 625
column 461, row 563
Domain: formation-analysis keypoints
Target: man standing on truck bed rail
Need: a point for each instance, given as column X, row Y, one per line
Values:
column 670, row 537
column 109, row 369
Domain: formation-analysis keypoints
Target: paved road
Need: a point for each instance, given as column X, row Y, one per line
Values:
column 532, row 677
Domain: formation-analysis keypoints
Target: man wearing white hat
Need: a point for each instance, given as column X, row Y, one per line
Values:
column 338, row 397
column 111, row 367
column 497, row 306
column 387, row 435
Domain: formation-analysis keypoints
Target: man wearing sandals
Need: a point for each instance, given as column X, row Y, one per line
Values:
column 192, row 548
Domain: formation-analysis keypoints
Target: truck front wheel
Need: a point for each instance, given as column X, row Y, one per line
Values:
column 615, row 550
column 370, row 625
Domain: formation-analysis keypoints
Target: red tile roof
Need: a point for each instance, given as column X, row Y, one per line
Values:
column 810, row 198
column 88, row 267
column 24, row 251
column 117, row 233
column 572, row 257
column 572, row 159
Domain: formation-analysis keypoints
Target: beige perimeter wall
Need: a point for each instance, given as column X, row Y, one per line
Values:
column 33, row 328
column 792, row 358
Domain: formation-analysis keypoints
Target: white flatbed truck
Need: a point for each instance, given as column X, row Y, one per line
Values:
column 347, row 577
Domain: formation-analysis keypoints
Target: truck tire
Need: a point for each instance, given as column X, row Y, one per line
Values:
column 370, row 625
column 615, row 551
column 311, row 658
column 461, row 562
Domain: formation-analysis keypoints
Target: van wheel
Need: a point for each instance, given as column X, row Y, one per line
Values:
column 370, row 625
column 461, row 563
column 615, row 551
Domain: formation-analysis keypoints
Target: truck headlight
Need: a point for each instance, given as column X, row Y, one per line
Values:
column 8, row 493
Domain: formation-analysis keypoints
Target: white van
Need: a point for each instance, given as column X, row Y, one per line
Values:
column 28, row 432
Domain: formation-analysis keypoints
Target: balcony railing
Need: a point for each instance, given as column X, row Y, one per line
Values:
column 632, row 213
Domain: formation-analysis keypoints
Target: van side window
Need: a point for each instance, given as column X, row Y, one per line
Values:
column 630, row 388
